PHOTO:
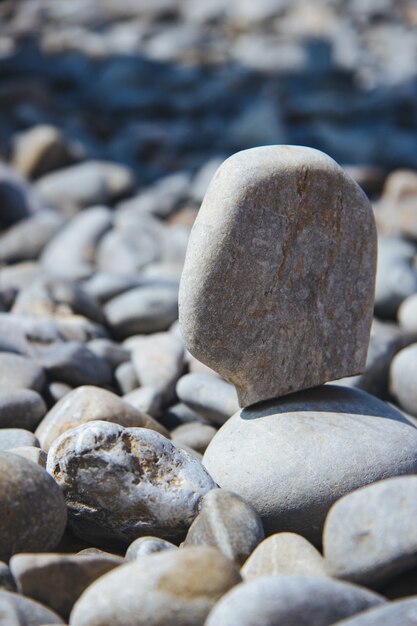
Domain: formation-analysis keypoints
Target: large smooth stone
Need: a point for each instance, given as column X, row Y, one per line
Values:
column 16, row 610
column 291, row 601
column 123, row 483
column 292, row 458
column 283, row 241
column 370, row 535
column 33, row 514
column 403, row 613
column 175, row 587
column 21, row 408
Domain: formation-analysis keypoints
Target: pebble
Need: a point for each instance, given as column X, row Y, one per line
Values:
column 209, row 396
column 228, row 523
column 142, row 310
column 370, row 535
column 34, row 512
column 16, row 610
column 292, row 458
column 123, row 483
column 16, row 201
column 144, row 546
column 176, row 587
column 271, row 277
column 158, row 361
column 126, row 378
column 407, row 314
column 283, row 553
column 86, row 404
column 288, row 600
column 31, row 453
column 16, row 437
column 110, row 351
column 145, row 399
column 404, row 613
column 402, row 375
column 19, row 372
column 21, row 408
column 84, row 184
column 194, row 435
column 25, row 240
column 58, row 580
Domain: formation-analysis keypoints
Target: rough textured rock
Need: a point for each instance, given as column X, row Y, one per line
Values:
column 58, row 580
column 370, row 535
column 402, row 377
column 144, row 546
column 292, row 458
column 194, row 435
column 16, row 437
column 404, row 613
column 176, row 587
column 209, row 396
column 87, row 404
column 291, row 600
column 283, row 553
column 123, row 483
column 16, row 610
column 284, row 238
column 33, row 508
column 228, row 523
column 19, row 372
column 21, row 408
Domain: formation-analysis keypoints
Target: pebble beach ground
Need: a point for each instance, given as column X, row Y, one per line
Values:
column 138, row 486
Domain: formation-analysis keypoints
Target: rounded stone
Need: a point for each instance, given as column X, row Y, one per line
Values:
column 402, row 377
column 228, row 523
column 21, row 408
column 291, row 600
column 402, row 613
column 284, row 238
column 123, row 483
column 16, row 610
column 16, row 438
column 211, row 397
column 87, row 404
column 33, row 509
column 370, row 535
column 175, row 587
column 19, row 372
column 407, row 314
column 144, row 546
column 36, row 455
column 283, row 553
column 292, row 458
column 194, row 435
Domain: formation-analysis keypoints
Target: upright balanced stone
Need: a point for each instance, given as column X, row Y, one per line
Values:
column 277, row 289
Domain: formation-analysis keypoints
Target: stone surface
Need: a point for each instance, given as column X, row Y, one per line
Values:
column 283, row 239
column 126, row 377
column 26, row 239
column 194, row 435
column 283, row 553
column 396, row 279
column 31, row 453
column 87, row 404
column 7, row 582
column 292, row 458
column 176, row 587
column 19, row 372
column 34, row 512
column 144, row 546
column 228, row 523
column 291, row 600
column 402, row 376
column 16, row 610
column 146, row 399
column 16, row 437
column 21, row 408
column 407, row 314
column 58, row 580
column 211, row 397
column 123, row 483
column 370, row 535
column 404, row 613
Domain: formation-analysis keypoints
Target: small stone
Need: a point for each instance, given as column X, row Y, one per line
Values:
column 16, row 437
column 87, row 404
column 58, row 580
column 110, row 351
column 19, row 372
column 291, row 600
column 21, row 408
column 293, row 458
column 123, row 483
column 34, row 512
column 159, row 361
column 260, row 260
column 57, row 391
column 370, row 535
column 142, row 310
column 126, row 377
column 211, row 397
column 194, row 435
column 145, row 399
column 402, row 376
column 228, row 523
column 392, row 614
column 84, row 184
column 25, row 240
column 176, row 587
column 147, row 545
column 31, row 453
column 180, row 413
column 16, row 610
column 407, row 314
column 283, row 553
column 15, row 199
